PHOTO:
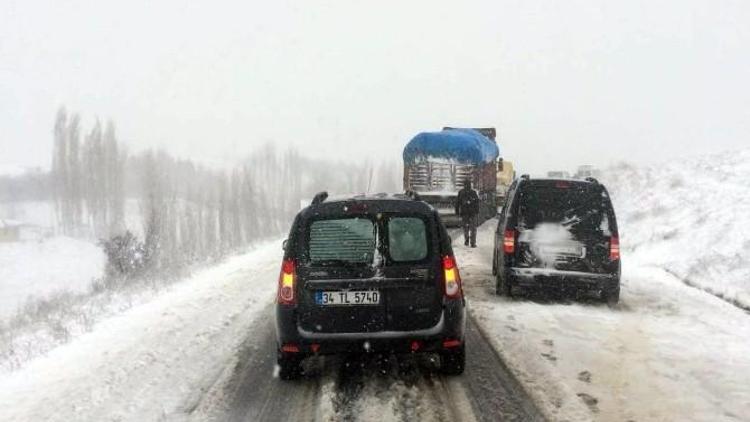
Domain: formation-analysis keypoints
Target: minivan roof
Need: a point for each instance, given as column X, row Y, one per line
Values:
column 549, row 180
column 368, row 204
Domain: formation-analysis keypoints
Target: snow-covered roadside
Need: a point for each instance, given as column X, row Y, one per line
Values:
column 38, row 269
column 668, row 352
column 149, row 362
column 690, row 217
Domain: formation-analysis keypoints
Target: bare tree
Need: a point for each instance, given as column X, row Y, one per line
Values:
column 60, row 168
column 114, row 163
column 74, row 182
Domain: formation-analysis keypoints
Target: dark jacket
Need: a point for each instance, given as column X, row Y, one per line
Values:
column 467, row 203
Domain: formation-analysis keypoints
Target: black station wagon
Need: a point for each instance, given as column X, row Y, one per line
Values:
column 366, row 274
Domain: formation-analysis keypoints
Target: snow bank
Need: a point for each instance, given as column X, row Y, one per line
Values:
column 39, row 269
column 149, row 362
column 689, row 217
column 667, row 352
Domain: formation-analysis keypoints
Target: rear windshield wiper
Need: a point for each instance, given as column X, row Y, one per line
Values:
column 338, row 263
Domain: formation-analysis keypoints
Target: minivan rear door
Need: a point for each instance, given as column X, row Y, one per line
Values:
column 412, row 262
column 369, row 273
column 565, row 226
column 337, row 294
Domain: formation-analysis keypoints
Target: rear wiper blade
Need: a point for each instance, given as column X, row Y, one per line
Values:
column 338, row 262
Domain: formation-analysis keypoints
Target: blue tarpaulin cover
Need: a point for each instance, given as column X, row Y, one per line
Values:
column 465, row 146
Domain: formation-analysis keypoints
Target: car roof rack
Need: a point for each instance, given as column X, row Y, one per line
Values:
column 319, row 198
column 592, row 180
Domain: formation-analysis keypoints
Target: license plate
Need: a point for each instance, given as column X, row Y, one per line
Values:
column 347, row 297
column 572, row 251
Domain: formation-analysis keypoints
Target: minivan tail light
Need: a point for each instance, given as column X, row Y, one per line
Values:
column 509, row 241
column 287, row 281
column 452, row 278
column 614, row 248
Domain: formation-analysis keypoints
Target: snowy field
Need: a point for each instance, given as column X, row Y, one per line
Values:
column 154, row 359
column 39, row 269
column 691, row 218
column 36, row 213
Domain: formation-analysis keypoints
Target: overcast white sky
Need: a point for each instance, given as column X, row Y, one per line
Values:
column 565, row 82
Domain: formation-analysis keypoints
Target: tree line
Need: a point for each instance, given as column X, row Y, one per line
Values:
column 155, row 211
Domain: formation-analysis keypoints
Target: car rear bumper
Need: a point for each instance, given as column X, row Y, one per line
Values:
column 537, row 277
column 450, row 326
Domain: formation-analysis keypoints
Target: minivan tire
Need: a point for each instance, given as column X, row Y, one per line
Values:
column 289, row 367
column 453, row 362
column 502, row 286
column 494, row 262
column 611, row 296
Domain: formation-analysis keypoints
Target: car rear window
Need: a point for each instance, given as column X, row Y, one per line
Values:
column 342, row 241
column 407, row 239
column 579, row 207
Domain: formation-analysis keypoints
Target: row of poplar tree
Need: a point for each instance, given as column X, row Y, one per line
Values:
column 181, row 211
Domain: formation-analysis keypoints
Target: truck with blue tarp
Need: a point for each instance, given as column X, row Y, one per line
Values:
column 436, row 165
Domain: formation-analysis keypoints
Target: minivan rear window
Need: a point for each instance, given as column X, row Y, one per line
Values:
column 407, row 239
column 342, row 241
column 582, row 209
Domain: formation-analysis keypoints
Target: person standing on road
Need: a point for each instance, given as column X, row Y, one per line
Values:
column 467, row 206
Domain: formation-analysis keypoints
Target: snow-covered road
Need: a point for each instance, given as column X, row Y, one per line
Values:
column 205, row 350
column 667, row 352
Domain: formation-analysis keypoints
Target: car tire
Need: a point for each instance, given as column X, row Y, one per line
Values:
column 611, row 296
column 453, row 362
column 502, row 286
column 494, row 262
column 289, row 367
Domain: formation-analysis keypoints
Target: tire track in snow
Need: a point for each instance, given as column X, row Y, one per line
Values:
column 365, row 387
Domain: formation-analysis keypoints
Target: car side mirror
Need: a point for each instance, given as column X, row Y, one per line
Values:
column 284, row 244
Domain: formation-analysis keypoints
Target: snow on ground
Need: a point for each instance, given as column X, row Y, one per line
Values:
column 38, row 269
column 42, row 214
column 36, row 213
column 690, row 217
column 153, row 361
column 667, row 352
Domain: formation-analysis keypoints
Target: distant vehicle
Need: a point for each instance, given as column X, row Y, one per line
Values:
column 505, row 176
column 558, row 175
column 587, row 171
column 369, row 274
column 436, row 165
column 558, row 232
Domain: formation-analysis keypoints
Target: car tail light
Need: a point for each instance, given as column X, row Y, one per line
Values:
column 452, row 277
column 509, row 241
column 290, row 348
column 450, row 343
column 287, row 281
column 614, row 248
